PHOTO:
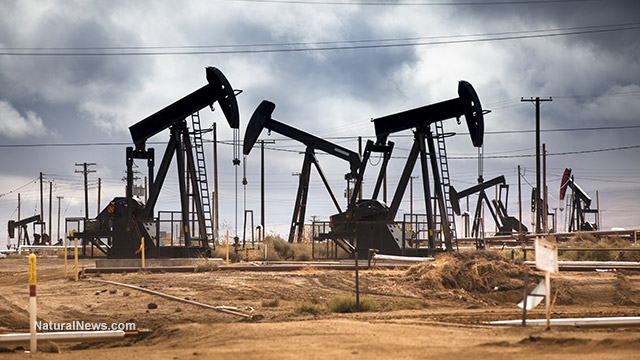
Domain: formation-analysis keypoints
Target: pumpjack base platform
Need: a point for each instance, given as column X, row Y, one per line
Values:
column 161, row 262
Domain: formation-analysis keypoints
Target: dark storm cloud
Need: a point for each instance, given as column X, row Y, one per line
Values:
column 67, row 81
column 328, row 93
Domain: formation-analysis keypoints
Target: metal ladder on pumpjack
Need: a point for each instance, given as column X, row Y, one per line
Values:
column 444, row 177
column 201, row 168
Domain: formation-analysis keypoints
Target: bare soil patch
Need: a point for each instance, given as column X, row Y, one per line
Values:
column 436, row 310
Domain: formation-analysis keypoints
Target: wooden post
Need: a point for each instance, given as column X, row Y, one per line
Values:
column 227, row 247
column 75, row 255
column 547, row 283
column 33, row 345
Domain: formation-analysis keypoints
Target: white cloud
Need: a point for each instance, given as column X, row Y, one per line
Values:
column 13, row 124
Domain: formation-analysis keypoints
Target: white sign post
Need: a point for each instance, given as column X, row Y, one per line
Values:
column 547, row 261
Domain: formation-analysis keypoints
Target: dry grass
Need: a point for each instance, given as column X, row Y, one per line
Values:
column 347, row 304
column 206, row 266
column 271, row 303
column 480, row 271
column 589, row 241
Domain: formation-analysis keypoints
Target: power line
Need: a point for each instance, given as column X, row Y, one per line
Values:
column 416, row 38
column 516, row 35
column 549, row 154
column 346, row 137
column 21, row 187
column 412, row 3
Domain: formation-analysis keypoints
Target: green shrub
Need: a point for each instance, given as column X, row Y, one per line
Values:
column 347, row 304
column 308, row 307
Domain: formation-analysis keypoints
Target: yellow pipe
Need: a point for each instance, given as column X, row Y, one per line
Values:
column 142, row 248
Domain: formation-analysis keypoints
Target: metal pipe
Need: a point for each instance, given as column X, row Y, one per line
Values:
column 63, row 336
column 632, row 321
column 224, row 309
column 401, row 258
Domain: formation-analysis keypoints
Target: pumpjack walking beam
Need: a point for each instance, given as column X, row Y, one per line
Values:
column 419, row 119
column 261, row 119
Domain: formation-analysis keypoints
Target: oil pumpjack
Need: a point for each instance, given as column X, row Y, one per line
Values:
column 369, row 224
column 497, row 208
column 580, row 203
column 118, row 229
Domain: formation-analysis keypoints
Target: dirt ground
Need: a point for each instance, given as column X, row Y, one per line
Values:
column 416, row 317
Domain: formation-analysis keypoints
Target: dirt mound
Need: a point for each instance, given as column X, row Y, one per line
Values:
column 479, row 271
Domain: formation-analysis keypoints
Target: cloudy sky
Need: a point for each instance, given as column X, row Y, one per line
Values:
column 74, row 75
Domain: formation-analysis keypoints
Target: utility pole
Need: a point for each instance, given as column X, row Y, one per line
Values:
column 19, row 227
column 50, row 200
column 100, row 190
column 215, row 182
column 360, row 155
column 598, row 210
column 85, row 171
column 262, row 185
column 537, row 101
column 58, row 236
column 520, row 206
column 41, row 209
column 496, row 198
column 545, row 212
